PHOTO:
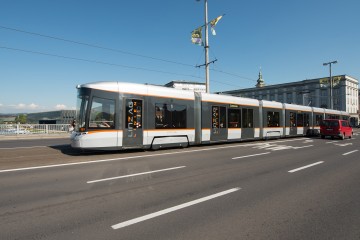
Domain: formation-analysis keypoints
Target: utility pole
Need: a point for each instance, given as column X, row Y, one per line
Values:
column 207, row 73
column 331, row 83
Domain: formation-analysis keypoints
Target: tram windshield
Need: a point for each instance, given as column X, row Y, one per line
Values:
column 81, row 105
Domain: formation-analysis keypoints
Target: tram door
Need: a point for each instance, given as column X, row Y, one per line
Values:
column 218, row 124
column 306, row 122
column 247, row 123
column 133, row 129
column 293, row 125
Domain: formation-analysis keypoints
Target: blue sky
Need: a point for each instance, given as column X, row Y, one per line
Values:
column 289, row 40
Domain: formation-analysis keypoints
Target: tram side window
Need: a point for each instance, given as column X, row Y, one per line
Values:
column 318, row 119
column 300, row 119
column 81, row 106
column 102, row 113
column 169, row 115
column 332, row 116
column 234, row 116
column 247, row 118
column 273, row 119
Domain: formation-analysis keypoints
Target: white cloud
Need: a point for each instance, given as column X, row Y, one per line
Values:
column 60, row 106
column 22, row 106
column 19, row 106
column 30, row 108
column 34, row 106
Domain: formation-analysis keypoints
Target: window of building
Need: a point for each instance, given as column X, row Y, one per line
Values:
column 169, row 115
column 299, row 99
column 323, row 92
column 289, row 97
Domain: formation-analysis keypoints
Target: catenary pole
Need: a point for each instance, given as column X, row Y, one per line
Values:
column 207, row 75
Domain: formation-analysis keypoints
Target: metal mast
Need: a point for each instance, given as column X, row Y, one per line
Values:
column 207, row 75
column 331, row 84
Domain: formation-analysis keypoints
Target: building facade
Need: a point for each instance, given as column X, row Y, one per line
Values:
column 52, row 117
column 313, row 92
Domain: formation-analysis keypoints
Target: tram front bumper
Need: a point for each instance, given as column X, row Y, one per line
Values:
column 76, row 139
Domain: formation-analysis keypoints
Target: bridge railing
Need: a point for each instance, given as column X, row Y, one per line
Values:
column 17, row 129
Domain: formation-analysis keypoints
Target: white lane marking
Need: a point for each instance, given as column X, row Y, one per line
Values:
column 253, row 155
column 126, row 158
column 172, row 209
column 343, row 145
column 276, row 147
column 307, row 166
column 303, row 147
column 350, row 152
column 135, row 174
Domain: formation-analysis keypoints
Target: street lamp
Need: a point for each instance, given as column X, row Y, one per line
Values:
column 207, row 75
column 331, row 83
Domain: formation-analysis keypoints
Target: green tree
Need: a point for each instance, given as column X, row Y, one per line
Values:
column 21, row 118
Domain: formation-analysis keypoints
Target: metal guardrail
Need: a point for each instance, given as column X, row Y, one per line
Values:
column 17, row 129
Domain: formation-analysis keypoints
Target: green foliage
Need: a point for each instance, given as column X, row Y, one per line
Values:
column 21, row 118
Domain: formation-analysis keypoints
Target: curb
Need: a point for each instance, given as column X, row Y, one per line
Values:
column 33, row 136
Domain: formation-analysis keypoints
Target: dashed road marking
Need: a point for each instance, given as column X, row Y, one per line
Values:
column 307, row 166
column 135, row 174
column 172, row 209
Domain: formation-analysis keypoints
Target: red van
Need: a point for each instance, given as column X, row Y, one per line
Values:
column 335, row 128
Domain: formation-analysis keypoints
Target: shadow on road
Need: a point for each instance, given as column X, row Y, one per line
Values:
column 68, row 150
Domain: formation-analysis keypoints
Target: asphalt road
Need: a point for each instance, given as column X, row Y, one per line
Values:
column 296, row 188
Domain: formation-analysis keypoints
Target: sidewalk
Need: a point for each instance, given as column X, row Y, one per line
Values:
column 33, row 136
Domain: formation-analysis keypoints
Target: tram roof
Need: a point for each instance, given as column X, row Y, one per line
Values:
column 227, row 99
column 140, row 89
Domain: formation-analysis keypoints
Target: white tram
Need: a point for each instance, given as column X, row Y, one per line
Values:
column 118, row 115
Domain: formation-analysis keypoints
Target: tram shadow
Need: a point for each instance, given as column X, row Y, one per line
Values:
column 66, row 149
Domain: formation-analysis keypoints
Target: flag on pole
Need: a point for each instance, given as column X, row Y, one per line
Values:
column 196, row 37
column 213, row 24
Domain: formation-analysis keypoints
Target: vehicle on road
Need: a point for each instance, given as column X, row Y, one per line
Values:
column 335, row 128
column 118, row 115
